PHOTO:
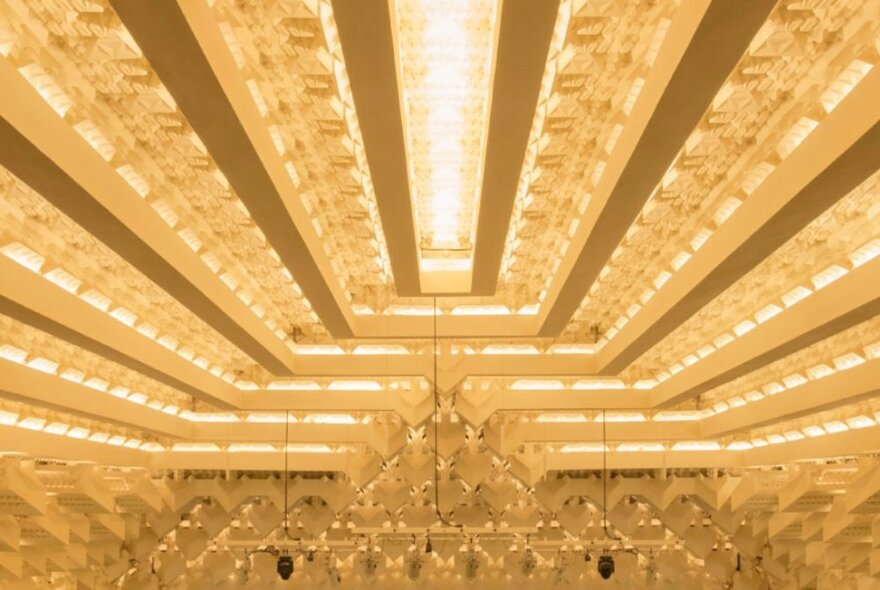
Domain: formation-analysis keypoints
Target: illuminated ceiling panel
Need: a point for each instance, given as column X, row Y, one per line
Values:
column 446, row 52
column 709, row 432
column 290, row 57
column 600, row 55
column 782, row 89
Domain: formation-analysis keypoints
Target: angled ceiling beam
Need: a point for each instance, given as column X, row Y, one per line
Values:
column 853, row 442
column 591, row 432
column 842, row 388
column 40, row 389
column 850, row 300
column 41, row 444
column 833, row 160
column 524, row 37
column 46, row 153
column 465, row 365
column 389, row 401
column 33, row 300
column 702, row 47
column 849, row 443
column 580, row 461
column 368, row 45
column 186, row 49
column 360, row 433
column 252, row 461
column 256, row 432
column 323, row 401
column 389, row 326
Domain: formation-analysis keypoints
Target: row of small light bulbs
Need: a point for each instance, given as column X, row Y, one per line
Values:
column 559, row 56
column 815, row 372
column 837, row 364
column 836, row 92
column 857, row 258
column 343, row 86
column 820, row 280
column 61, row 427
column 51, row 367
column 821, row 425
column 841, row 362
column 346, row 111
column 454, row 349
column 55, row 96
column 33, row 261
column 73, row 428
column 793, row 434
column 38, row 363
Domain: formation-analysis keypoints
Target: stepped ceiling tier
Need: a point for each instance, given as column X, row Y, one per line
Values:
column 439, row 293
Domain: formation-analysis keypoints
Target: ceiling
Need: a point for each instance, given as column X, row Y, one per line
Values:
column 532, row 279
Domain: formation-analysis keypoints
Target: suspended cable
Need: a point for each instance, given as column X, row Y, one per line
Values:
column 605, row 475
column 436, row 418
column 605, row 479
column 286, row 473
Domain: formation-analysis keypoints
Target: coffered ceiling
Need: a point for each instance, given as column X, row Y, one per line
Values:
column 524, row 280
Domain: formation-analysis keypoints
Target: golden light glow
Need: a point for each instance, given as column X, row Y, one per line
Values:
column 446, row 53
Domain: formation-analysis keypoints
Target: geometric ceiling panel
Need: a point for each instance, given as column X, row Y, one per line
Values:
column 491, row 293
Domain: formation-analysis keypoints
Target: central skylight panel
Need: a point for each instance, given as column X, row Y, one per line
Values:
column 446, row 51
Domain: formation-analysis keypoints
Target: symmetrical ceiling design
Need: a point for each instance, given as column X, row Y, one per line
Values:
column 473, row 291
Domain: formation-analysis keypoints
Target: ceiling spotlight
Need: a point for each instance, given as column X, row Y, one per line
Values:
column 606, row 566
column 370, row 563
column 333, row 576
column 414, row 566
column 529, row 562
column 428, row 547
column 559, row 575
column 651, row 571
column 285, row 566
column 471, row 565
column 587, row 557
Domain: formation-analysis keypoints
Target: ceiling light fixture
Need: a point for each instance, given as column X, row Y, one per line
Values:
column 446, row 52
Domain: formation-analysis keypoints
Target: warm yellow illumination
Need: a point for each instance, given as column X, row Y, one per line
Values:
column 355, row 385
column 209, row 417
column 195, row 448
column 481, row 310
column 641, row 447
column 583, row 448
column 308, row 448
column 330, row 419
column 537, row 385
column 12, row 353
column 509, row 349
column 621, row 417
column 599, row 384
column 446, row 52
column 696, row 446
column 380, row 349
column 561, row 418
column 8, row 418
column 251, row 448
column 677, row 416
column 304, row 385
